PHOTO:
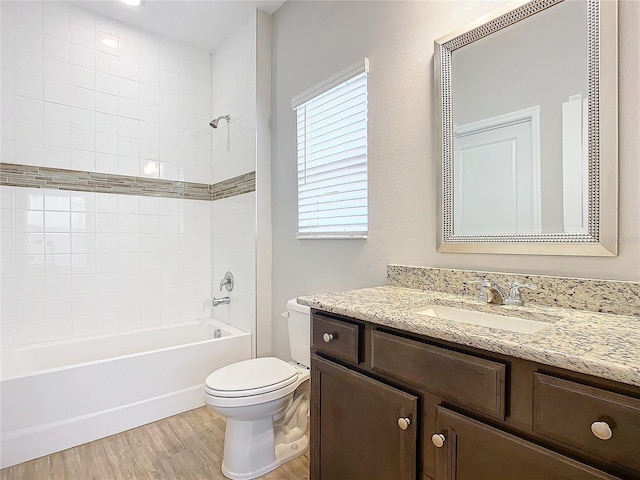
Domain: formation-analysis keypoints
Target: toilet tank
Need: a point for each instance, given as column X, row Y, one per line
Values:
column 299, row 332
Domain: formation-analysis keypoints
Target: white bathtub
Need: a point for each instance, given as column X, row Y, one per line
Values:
column 56, row 395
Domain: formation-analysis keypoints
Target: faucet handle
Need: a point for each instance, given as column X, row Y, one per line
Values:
column 484, row 284
column 227, row 282
column 515, row 295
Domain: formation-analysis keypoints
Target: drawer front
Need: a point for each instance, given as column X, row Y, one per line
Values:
column 565, row 411
column 336, row 338
column 467, row 380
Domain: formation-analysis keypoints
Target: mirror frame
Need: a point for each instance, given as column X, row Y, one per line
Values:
column 602, row 68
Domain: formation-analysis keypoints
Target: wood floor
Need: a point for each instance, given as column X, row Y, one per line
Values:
column 186, row 446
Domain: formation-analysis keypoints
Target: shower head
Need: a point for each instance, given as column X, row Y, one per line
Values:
column 214, row 123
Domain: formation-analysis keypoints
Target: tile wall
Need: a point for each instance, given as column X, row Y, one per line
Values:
column 234, row 247
column 234, row 93
column 234, row 154
column 81, row 263
column 82, row 91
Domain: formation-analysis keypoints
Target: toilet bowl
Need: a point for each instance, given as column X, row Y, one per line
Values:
column 266, row 403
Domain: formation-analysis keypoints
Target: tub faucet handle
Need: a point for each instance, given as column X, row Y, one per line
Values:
column 227, row 282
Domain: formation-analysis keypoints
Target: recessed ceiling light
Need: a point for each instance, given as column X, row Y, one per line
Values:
column 110, row 42
column 132, row 3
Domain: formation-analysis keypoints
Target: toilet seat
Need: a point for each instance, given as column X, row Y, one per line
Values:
column 257, row 376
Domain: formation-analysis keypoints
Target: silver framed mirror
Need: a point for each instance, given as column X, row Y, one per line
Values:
column 529, row 139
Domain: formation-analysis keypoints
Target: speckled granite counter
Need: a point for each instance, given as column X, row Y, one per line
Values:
column 603, row 345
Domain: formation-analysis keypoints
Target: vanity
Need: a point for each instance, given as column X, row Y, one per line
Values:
column 400, row 395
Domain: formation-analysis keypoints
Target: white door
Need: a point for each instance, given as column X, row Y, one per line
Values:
column 496, row 177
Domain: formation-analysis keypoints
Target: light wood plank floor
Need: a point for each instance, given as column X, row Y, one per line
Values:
column 187, row 446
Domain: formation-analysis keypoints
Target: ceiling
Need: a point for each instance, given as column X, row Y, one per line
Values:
column 203, row 24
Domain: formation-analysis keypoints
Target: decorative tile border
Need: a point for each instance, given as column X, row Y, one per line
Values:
column 245, row 183
column 606, row 296
column 61, row 179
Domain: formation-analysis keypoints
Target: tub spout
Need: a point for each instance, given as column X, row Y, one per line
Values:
column 220, row 301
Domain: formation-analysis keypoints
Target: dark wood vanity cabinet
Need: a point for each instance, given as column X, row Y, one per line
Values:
column 364, row 413
column 391, row 405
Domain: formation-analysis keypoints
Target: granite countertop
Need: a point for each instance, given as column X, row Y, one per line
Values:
column 603, row 345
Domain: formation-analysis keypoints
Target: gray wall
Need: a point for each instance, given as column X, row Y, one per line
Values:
column 312, row 40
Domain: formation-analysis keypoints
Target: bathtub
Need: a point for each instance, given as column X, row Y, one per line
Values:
column 56, row 395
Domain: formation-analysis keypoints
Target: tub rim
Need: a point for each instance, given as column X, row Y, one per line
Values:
column 233, row 331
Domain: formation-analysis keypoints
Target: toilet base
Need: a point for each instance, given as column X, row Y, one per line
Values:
column 283, row 453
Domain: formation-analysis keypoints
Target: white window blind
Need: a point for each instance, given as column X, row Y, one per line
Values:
column 332, row 157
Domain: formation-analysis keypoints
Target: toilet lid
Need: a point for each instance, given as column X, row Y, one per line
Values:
column 251, row 377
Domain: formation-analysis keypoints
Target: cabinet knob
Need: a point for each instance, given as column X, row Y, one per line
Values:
column 327, row 337
column 602, row 430
column 438, row 439
column 404, row 422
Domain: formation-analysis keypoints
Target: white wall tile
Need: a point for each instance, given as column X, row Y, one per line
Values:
column 27, row 131
column 82, row 35
column 82, row 98
column 69, row 101
column 106, row 63
column 28, row 86
column 106, row 103
column 106, row 83
column 57, row 49
column 57, row 264
column 28, row 18
column 106, row 143
column 57, row 27
column 28, row 153
column 57, row 92
column 83, row 160
column 56, row 157
column 107, row 163
column 57, row 114
column 82, row 56
column 83, row 139
column 83, row 77
column 82, row 118
column 57, row 136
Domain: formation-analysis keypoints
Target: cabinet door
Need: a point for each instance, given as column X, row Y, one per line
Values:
column 355, row 430
column 475, row 451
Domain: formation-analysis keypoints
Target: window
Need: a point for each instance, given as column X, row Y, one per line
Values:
column 332, row 156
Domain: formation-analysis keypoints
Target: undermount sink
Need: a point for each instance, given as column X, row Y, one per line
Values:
column 491, row 320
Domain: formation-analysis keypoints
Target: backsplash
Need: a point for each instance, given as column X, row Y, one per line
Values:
column 606, row 296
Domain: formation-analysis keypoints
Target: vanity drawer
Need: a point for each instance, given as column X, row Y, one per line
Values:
column 464, row 379
column 565, row 411
column 336, row 338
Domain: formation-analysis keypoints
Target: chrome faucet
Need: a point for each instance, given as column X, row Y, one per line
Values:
column 227, row 282
column 491, row 292
column 220, row 301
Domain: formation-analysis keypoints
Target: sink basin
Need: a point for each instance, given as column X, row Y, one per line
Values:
column 512, row 324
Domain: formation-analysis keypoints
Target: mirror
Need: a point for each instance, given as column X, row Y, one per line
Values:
column 527, row 98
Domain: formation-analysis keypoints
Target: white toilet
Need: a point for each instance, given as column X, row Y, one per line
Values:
column 266, row 401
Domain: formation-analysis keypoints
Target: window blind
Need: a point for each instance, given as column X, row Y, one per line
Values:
column 332, row 162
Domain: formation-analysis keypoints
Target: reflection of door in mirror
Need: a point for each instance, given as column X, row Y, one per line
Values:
column 540, row 61
column 497, row 175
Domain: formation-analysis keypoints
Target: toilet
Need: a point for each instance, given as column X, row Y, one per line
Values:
column 266, row 403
